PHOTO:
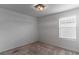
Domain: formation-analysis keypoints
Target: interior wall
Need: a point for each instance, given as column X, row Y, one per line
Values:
column 49, row 30
column 16, row 29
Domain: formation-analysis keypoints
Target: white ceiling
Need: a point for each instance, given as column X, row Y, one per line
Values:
column 28, row 8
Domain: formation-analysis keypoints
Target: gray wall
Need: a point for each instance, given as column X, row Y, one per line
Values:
column 49, row 30
column 16, row 29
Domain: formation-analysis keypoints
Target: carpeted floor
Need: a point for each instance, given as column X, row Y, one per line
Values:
column 38, row 48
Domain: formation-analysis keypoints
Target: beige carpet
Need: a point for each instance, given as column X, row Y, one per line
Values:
column 39, row 48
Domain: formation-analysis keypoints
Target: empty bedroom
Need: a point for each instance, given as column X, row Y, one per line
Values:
column 39, row 29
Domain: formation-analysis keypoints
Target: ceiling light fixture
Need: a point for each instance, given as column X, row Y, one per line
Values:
column 39, row 7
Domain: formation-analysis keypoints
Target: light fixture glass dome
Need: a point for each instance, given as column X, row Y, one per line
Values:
column 39, row 7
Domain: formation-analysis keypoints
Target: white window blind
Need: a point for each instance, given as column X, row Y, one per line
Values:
column 67, row 27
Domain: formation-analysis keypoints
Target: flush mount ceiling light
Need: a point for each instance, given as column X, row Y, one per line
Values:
column 39, row 7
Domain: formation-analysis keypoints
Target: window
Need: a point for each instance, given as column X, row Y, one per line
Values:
column 67, row 27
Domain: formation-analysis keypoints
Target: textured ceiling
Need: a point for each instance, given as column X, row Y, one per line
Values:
column 28, row 8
